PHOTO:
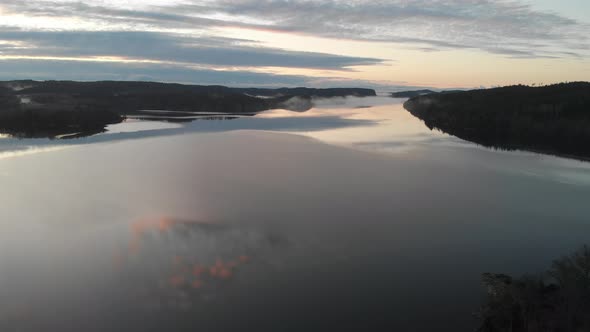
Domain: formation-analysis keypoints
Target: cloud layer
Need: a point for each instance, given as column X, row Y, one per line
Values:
column 505, row 27
column 157, row 46
column 179, row 33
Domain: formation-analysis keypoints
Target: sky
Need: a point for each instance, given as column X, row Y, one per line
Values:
column 389, row 44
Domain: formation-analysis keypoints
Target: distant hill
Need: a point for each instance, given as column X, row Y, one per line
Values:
column 50, row 108
column 410, row 94
column 125, row 87
column 416, row 93
column 308, row 92
column 552, row 119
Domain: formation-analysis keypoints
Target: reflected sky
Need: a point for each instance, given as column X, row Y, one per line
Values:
column 387, row 128
column 376, row 124
column 334, row 218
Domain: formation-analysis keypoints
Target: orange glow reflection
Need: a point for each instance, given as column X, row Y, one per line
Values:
column 177, row 281
column 180, row 271
column 196, row 284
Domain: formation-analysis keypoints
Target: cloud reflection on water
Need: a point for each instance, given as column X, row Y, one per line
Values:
column 137, row 129
column 330, row 233
column 187, row 262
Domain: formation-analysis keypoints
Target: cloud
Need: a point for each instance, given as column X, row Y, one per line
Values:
column 178, row 34
column 168, row 48
column 440, row 24
column 114, row 16
column 500, row 26
column 92, row 71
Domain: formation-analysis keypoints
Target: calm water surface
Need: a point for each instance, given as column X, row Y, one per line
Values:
column 343, row 217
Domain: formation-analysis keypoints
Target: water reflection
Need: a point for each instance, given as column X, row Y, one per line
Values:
column 57, row 134
column 167, row 273
column 179, row 263
column 205, row 225
column 387, row 128
column 377, row 124
column 152, row 123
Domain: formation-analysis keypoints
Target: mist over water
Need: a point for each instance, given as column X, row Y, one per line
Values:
column 350, row 215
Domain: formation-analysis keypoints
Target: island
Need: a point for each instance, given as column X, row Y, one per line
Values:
column 66, row 108
column 553, row 119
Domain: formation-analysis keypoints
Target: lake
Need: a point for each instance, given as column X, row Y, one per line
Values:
column 353, row 215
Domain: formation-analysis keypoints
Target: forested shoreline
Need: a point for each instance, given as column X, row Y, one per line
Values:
column 553, row 119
